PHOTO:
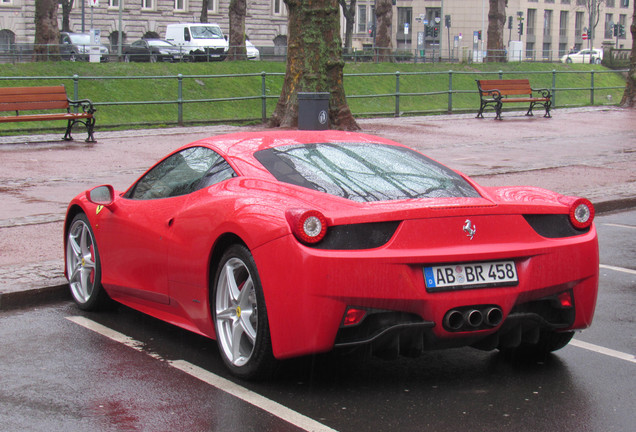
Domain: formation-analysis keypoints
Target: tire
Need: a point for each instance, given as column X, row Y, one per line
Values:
column 597, row 61
column 83, row 266
column 549, row 341
column 153, row 58
column 568, row 60
column 73, row 57
column 240, row 316
column 127, row 58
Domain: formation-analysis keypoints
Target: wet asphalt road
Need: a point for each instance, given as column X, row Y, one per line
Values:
column 57, row 375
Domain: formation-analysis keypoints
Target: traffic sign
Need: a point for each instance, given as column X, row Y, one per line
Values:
column 584, row 36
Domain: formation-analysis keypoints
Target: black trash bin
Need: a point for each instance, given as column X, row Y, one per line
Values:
column 313, row 111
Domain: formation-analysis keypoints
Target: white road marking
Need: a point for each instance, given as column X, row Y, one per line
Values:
column 619, row 269
column 220, row 383
column 619, row 225
column 602, row 350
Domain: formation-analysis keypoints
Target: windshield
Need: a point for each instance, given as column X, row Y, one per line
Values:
column 206, row 32
column 80, row 39
column 364, row 172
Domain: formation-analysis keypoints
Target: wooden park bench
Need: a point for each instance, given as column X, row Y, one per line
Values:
column 46, row 103
column 499, row 92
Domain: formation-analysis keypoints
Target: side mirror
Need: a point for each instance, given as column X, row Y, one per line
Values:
column 101, row 195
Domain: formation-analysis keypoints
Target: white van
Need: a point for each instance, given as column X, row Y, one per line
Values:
column 200, row 40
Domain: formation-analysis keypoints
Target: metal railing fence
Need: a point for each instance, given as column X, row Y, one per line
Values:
column 457, row 94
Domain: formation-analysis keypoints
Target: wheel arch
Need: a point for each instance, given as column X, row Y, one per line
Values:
column 218, row 249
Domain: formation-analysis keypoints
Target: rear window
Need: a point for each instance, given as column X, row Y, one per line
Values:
column 364, row 172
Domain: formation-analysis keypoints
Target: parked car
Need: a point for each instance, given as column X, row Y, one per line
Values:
column 201, row 41
column 77, row 46
column 252, row 52
column 584, row 56
column 152, row 50
column 287, row 243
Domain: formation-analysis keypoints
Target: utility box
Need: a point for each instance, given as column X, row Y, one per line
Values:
column 313, row 111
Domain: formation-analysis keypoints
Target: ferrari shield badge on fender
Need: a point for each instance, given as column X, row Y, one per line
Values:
column 98, row 209
column 469, row 228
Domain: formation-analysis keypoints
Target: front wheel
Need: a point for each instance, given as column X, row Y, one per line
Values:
column 83, row 268
column 240, row 316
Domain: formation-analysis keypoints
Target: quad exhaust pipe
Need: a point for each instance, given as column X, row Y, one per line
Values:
column 473, row 318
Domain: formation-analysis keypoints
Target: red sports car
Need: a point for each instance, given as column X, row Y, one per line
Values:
column 282, row 244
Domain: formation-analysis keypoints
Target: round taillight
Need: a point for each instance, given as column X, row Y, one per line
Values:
column 581, row 213
column 309, row 226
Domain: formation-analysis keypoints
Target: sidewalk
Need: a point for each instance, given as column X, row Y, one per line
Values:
column 589, row 152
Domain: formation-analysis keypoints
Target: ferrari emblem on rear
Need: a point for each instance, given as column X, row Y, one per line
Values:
column 469, row 228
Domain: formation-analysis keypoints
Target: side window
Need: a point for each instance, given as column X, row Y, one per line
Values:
column 182, row 173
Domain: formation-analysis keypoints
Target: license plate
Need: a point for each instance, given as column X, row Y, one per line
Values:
column 470, row 275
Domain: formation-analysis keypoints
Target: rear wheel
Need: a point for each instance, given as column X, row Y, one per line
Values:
column 240, row 316
column 83, row 266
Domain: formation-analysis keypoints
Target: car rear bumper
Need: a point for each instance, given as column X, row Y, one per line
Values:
column 308, row 291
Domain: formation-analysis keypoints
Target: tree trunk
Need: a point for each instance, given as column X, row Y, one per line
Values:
column 67, row 6
column 204, row 12
column 496, row 24
column 314, row 63
column 47, row 34
column 238, row 10
column 384, row 18
column 350, row 17
column 629, row 96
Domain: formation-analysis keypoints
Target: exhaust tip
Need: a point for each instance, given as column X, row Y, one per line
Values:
column 474, row 318
column 454, row 320
column 494, row 316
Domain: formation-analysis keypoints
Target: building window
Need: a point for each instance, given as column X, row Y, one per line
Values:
column 578, row 24
column 530, row 50
column 147, row 4
column 549, row 1
column 624, row 3
column 212, row 5
column 114, row 4
column 547, row 22
column 362, row 18
column 565, row 1
column 609, row 31
column 563, row 24
column 180, row 5
column 532, row 21
column 6, row 2
column 581, row 2
column 610, row 3
column 278, row 7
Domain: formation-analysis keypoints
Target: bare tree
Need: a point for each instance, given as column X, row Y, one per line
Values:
column 593, row 8
column 496, row 24
column 349, row 13
column 204, row 11
column 67, row 6
column 384, row 17
column 629, row 96
column 238, row 10
column 314, row 62
column 47, row 34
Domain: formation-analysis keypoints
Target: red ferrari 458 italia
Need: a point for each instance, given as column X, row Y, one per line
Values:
column 283, row 244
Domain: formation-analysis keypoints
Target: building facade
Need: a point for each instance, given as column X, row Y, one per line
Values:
column 551, row 28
